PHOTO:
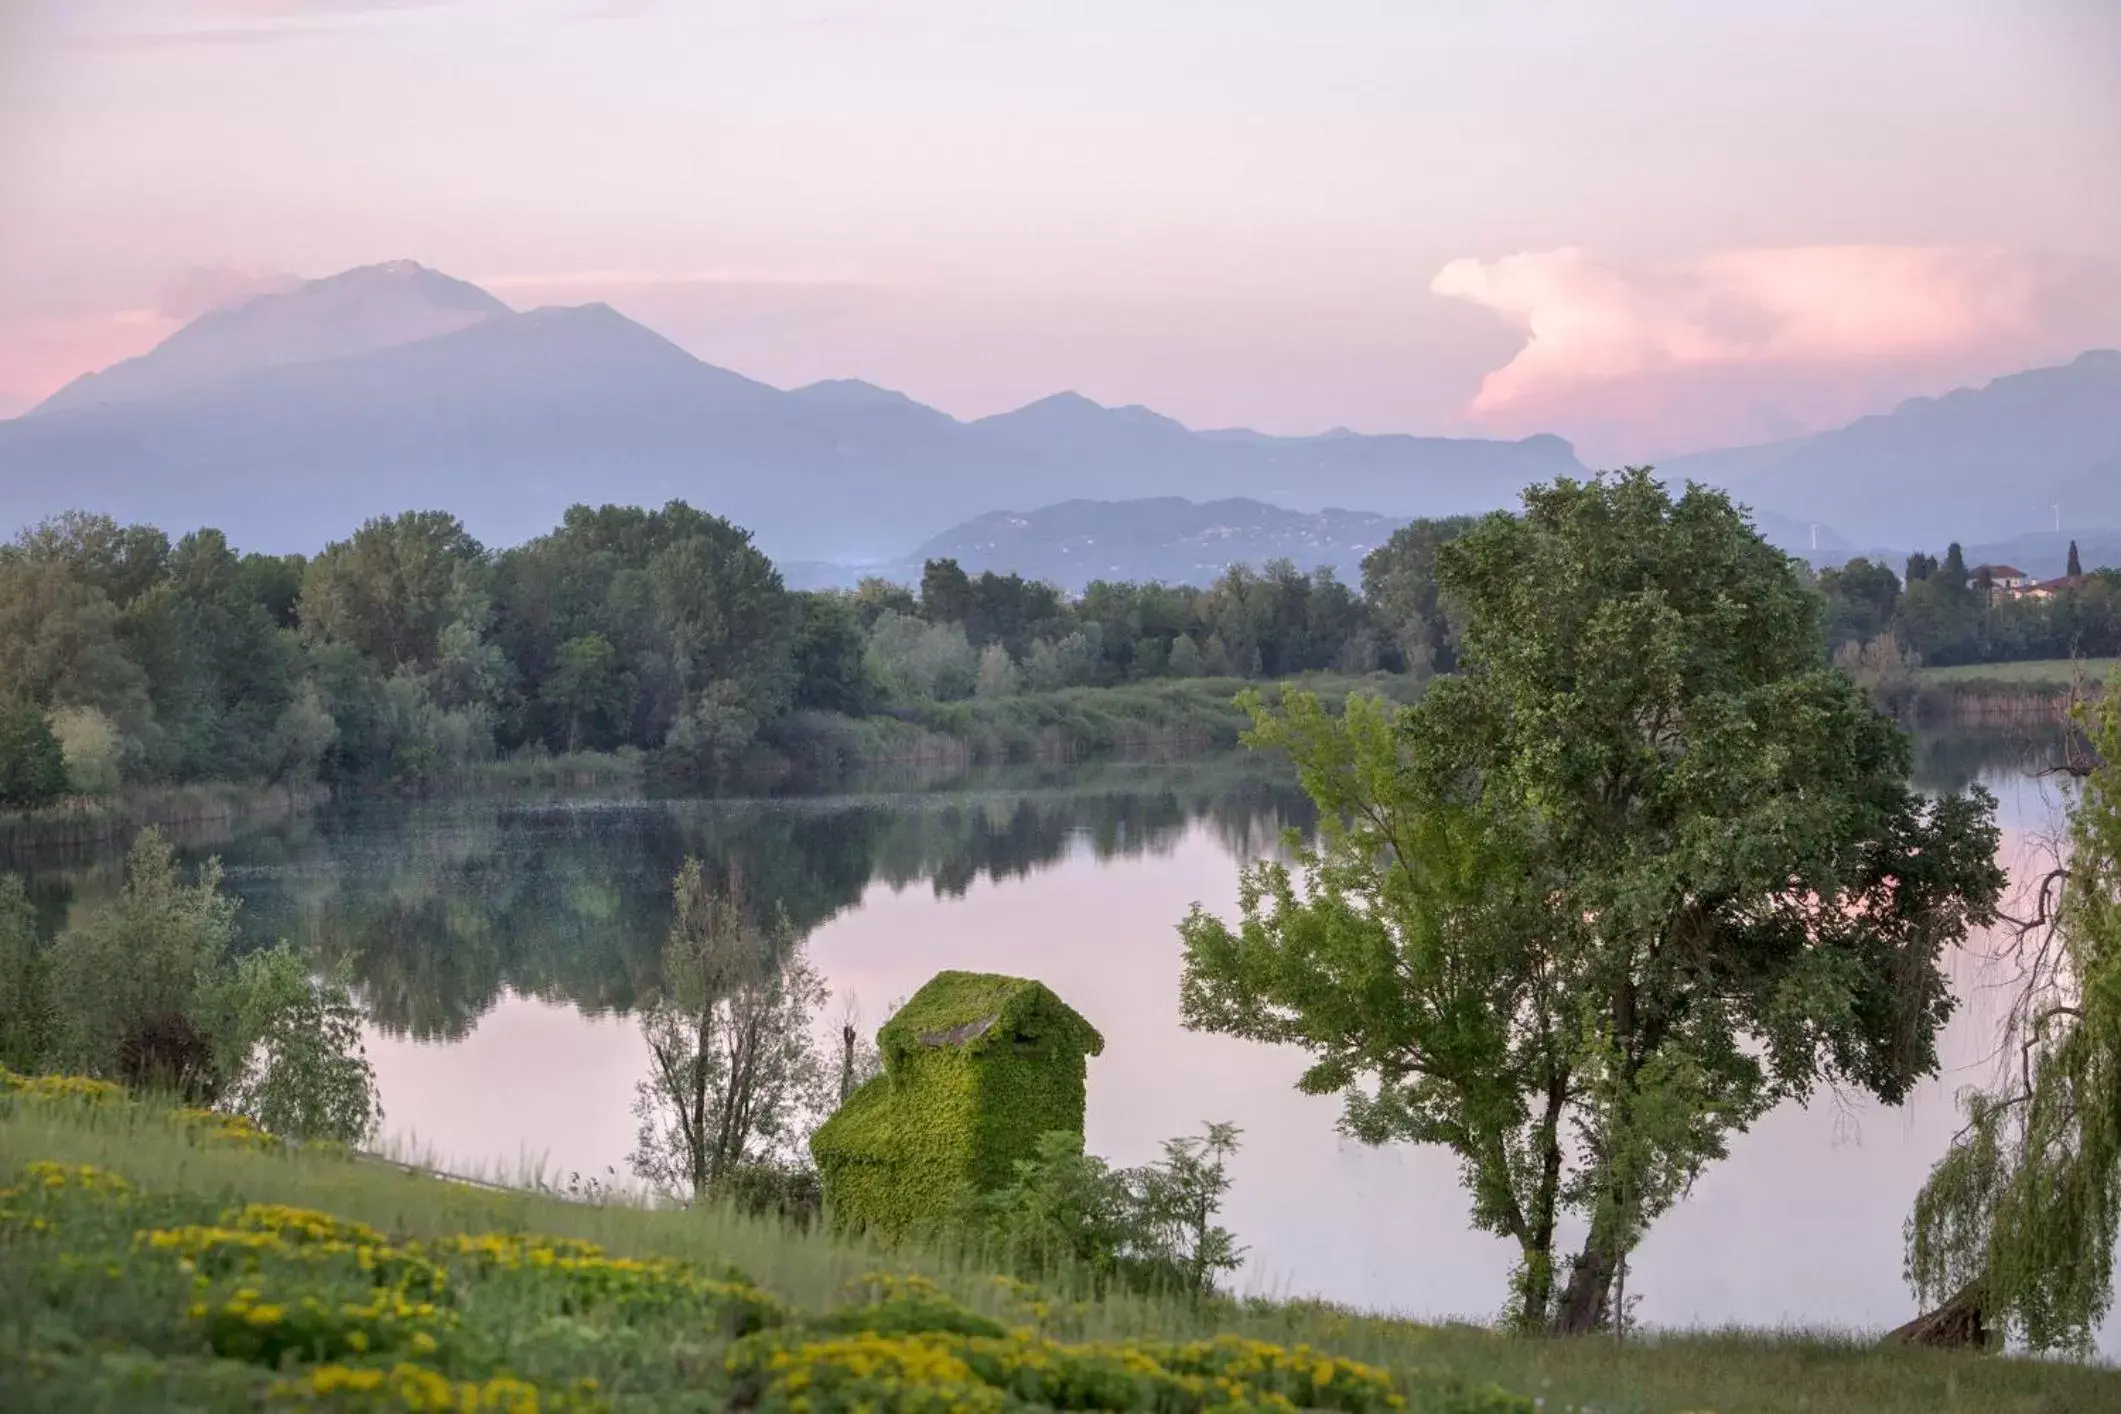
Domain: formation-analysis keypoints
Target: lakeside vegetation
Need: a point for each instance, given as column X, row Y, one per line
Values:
column 1641, row 867
column 671, row 1313
column 408, row 656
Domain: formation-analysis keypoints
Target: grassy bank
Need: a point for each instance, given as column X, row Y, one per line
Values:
column 2053, row 673
column 1167, row 717
column 99, row 1309
column 90, row 821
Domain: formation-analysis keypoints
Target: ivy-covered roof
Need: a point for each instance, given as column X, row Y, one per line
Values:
column 974, row 1010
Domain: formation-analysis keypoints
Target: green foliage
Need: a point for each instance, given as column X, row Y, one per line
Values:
column 735, row 1071
column 145, row 987
column 828, row 658
column 148, row 991
column 1862, row 601
column 1399, row 580
column 27, row 1021
column 307, row 1075
column 82, row 1338
column 1643, row 869
column 2023, row 1211
column 32, row 762
column 977, row 1067
column 93, row 750
column 1068, row 1216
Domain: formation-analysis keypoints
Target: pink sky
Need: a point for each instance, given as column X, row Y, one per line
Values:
column 1653, row 229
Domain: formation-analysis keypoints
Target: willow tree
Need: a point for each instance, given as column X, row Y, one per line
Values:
column 1646, row 866
column 2014, row 1232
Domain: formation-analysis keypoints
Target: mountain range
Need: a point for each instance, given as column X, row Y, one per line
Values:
column 289, row 418
column 258, row 420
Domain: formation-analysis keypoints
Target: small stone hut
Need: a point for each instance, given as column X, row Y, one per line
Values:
column 976, row 1067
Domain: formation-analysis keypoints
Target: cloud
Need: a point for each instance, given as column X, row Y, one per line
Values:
column 42, row 353
column 1753, row 344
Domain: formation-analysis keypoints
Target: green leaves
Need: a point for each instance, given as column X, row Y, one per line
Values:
column 1641, row 869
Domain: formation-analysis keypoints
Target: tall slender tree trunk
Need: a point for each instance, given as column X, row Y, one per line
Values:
column 1585, row 1300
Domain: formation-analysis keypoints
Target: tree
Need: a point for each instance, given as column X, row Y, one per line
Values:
column 2075, row 569
column 93, row 750
column 1068, row 1214
column 1178, row 1201
column 1862, row 599
column 734, row 1070
column 1645, row 867
column 997, row 673
column 946, row 594
column 589, row 690
column 2014, row 1232
column 394, row 586
column 1399, row 581
column 144, row 988
column 831, row 674
column 1883, row 669
column 32, row 763
column 306, row 1075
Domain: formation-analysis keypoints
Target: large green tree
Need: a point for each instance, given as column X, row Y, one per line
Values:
column 1644, row 868
column 2014, row 1232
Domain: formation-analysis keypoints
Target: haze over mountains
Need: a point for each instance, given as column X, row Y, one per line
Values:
column 289, row 418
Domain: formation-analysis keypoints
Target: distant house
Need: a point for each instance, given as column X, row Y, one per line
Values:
column 2006, row 579
column 2049, row 588
column 976, row 1067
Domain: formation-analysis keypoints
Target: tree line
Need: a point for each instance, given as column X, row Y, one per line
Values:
column 409, row 652
column 1944, row 612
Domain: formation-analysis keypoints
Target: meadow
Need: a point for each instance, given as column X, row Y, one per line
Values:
column 154, row 1259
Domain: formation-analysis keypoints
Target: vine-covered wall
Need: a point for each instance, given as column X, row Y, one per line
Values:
column 976, row 1067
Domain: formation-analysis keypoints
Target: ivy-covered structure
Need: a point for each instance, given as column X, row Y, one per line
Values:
column 976, row 1067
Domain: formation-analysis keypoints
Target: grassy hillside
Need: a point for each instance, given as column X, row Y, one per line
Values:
column 191, row 1264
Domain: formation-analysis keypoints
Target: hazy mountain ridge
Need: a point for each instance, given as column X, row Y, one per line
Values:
column 291, row 417
column 1175, row 541
column 1999, row 458
column 507, row 418
column 357, row 311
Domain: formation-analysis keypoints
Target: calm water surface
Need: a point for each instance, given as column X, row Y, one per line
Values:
column 501, row 945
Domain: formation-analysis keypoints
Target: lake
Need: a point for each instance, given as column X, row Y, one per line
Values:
column 501, row 942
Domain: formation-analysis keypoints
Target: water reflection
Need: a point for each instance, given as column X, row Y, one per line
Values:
column 439, row 908
column 502, row 943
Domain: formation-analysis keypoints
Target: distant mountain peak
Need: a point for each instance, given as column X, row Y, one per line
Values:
column 356, row 311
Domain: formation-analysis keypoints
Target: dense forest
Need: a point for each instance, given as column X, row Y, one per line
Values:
column 408, row 652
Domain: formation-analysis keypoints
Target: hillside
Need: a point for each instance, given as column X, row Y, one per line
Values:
column 287, row 418
column 1997, row 459
column 1176, row 541
column 321, row 1280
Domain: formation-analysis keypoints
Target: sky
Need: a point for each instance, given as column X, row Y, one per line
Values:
column 1651, row 228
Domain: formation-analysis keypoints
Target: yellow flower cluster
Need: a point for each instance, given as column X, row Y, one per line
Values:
column 899, row 1373
column 77, row 1088
column 221, row 1251
column 414, row 1389
column 594, row 1281
column 214, row 1127
column 246, row 1326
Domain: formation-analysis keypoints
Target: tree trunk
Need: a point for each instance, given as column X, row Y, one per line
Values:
column 1585, row 1299
column 1956, row 1325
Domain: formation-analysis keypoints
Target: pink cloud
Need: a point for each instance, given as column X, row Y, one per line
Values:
column 1749, row 345
column 40, row 354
